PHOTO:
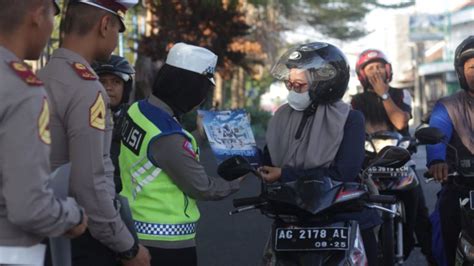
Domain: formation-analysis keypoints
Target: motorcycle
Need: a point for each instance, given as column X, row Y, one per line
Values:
column 306, row 230
column 462, row 175
column 390, row 180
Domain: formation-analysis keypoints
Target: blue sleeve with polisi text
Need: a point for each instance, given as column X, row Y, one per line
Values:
column 439, row 119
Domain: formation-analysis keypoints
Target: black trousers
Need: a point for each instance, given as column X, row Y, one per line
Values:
column 423, row 230
column 171, row 257
column 87, row 251
column 370, row 246
column 450, row 216
column 417, row 222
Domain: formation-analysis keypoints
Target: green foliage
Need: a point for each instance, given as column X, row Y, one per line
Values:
column 255, row 88
column 188, row 121
column 259, row 121
column 339, row 19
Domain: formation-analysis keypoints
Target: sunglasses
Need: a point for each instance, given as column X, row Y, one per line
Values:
column 295, row 86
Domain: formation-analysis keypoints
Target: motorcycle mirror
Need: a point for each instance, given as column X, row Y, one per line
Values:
column 234, row 167
column 391, row 156
column 429, row 135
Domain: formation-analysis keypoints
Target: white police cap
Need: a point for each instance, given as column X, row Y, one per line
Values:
column 117, row 7
column 193, row 58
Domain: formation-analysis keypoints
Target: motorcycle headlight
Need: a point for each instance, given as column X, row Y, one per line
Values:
column 467, row 248
column 368, row 146
column 379, row 144
column 404, row 144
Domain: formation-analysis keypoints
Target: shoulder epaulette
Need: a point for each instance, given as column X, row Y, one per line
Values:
column 25, row 73
column 83, row 71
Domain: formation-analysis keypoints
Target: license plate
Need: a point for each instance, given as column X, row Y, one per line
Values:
column 379, row 171
column 312, row 238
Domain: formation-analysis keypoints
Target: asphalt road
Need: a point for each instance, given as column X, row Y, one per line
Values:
column 238, row 240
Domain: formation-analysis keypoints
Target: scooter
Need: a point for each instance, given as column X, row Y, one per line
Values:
column 305, row 229
column 391, row 181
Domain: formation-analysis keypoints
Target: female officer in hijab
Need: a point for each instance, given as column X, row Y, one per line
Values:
column 316, row 132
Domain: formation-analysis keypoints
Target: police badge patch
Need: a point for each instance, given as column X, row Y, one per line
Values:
column 188, row 146
column 97, row 113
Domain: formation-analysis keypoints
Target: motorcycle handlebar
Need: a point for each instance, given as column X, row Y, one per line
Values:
column 246, row 201
column 428, row 175
column 384, row 199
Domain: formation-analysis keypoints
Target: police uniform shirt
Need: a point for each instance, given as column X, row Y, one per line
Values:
column 28, row 209
column 188, row 174
column 81, row 129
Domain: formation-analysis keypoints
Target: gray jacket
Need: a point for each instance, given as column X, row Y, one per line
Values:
column 28, row 209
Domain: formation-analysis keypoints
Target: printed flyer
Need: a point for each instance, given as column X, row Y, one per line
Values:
column 229, row 133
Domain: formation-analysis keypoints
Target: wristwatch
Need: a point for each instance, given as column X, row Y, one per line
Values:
column 385, row 96
column 129, row 254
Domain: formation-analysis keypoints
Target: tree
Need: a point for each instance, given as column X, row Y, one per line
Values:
column 339, row 19
column 245, row 33
column 217, row 25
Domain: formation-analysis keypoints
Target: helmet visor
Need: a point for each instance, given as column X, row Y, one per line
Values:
column 304, row 58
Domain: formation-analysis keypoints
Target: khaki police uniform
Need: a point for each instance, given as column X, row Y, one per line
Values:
column 81, row 129
column 28, row 209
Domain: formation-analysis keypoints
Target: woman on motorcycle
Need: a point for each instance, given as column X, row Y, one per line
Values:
column 315, row 133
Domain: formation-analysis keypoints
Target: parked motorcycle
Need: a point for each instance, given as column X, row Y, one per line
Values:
column 305, row 229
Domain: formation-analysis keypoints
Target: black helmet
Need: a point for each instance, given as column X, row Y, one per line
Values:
column 464, row 51
column 119, row 67
column 327, row 66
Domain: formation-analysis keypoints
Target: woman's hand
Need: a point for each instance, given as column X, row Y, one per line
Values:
column 270, row 174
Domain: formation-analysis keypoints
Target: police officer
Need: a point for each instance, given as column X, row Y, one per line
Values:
column 159, row 160
column 454, row 116
column 81, row 128
column 28, row 209
column 116, row 75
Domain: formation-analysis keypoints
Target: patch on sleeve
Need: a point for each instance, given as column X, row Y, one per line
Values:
column 43, row 123
column 25, row 73
column 97, row 113
column 83, row 71
column 188, row 147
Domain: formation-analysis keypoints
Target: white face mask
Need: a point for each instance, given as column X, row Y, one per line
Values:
column 299, row 101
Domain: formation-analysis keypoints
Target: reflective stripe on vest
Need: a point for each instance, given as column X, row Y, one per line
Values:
column 160, row 209
column 165, row 229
